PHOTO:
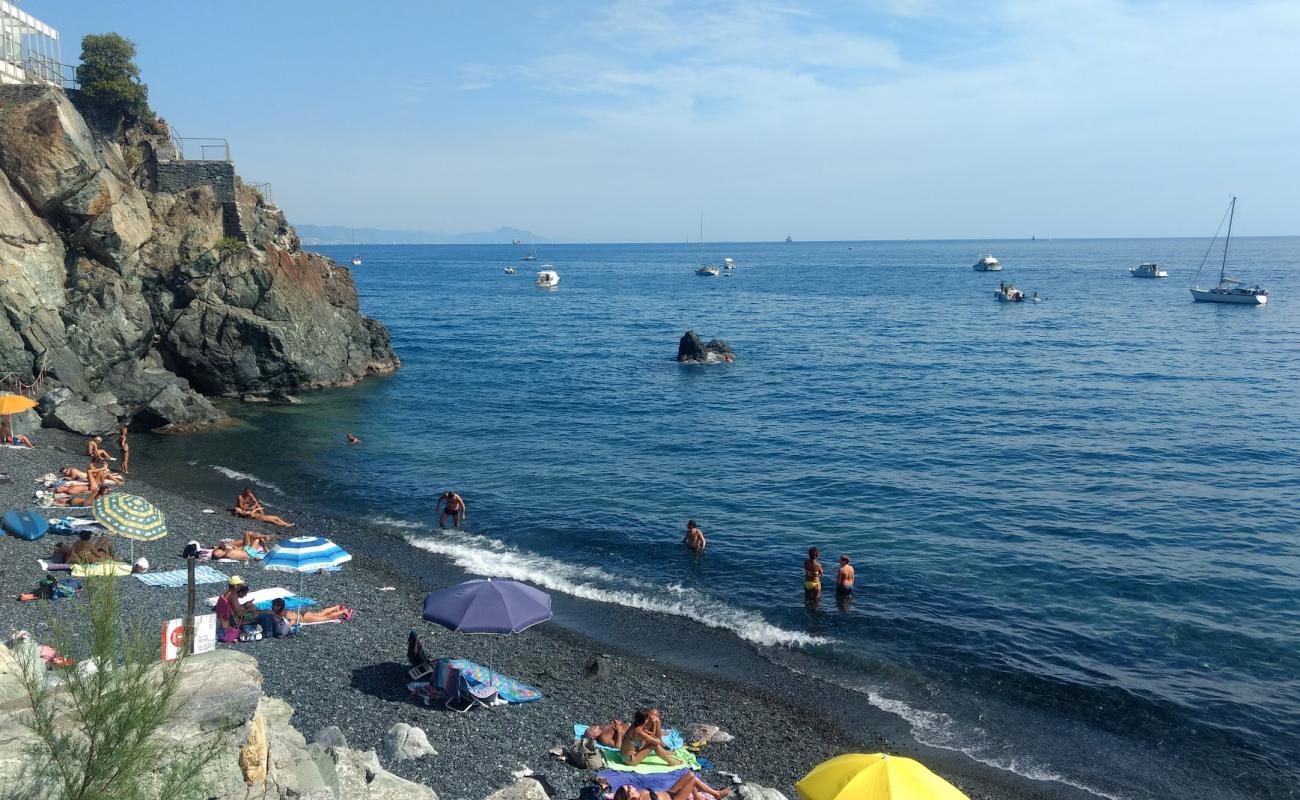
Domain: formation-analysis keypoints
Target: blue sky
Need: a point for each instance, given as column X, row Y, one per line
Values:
column 838, row 120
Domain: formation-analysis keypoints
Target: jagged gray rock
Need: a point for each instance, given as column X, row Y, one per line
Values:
column 222, row 691
column 115, row 287
column 702, row 731
column 752, row 791
column 331, row 736
column 521, row 789
column 403, row 742
column 692, row 350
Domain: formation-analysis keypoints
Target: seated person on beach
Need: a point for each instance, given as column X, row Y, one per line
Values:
column 7, row 436
column 249, row 507
column 688, row 787
column 95, row 450
column 453, row 505
column 285, row 620
column 83, row 551
column 251, row 547
column 694, row 538
column 610, row 735
column 642, row 739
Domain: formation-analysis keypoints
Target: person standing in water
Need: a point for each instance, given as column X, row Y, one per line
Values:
column 453, row 505
column 125, row 466
column 812, row 577
column 694, row 538
column 844, row 577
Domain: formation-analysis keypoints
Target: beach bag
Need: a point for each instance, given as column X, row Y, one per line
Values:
column 584, row 754
column 281, row 628
column 230, row 635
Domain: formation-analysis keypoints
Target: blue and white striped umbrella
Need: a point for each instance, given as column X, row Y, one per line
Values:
column 305, row 554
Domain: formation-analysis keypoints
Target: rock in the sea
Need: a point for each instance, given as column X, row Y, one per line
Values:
column 702, row 731
column 752, row 791
column 403, row 742
column 521, row 789
column 134, row 277
column 692, row 350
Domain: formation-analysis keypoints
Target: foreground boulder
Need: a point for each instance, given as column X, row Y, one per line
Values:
column 264, row 756
column 136, row 282
column 692, row 350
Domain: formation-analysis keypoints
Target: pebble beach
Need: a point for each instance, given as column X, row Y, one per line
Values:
column 352, row 675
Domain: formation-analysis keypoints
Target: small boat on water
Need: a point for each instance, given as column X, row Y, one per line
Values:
column 1148, row 271
column 356, row 257
column 548, row 278
column 708, row 270
column 531, row 255
column 1007, row 293
column 988, row 263
column 1229, row 290
column 788, row 240
column 727, row 263
column 516, row 241
column 511, row 270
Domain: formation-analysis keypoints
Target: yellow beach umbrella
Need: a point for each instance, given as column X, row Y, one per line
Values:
column 15, row 403
column 877, row 776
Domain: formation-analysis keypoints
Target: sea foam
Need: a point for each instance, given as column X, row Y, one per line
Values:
column 246, row 477
column 482, row 555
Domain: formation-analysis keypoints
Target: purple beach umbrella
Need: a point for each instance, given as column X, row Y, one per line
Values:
column 488, row 606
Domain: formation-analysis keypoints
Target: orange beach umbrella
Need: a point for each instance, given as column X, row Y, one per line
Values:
column 15, row 403
column 877, row 776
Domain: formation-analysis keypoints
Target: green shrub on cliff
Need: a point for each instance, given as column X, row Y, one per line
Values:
column 110, row 79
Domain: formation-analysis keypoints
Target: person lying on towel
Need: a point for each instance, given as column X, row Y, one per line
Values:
column 687, row 787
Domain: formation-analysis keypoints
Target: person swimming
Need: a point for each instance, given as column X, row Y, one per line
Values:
column 352, row 439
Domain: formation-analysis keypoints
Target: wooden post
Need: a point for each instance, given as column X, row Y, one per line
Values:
column 189, row 607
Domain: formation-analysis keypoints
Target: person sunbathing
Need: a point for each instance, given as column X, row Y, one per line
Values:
column 688, row 787
column 643, row 738
column 73, row 474
column 249, row 507
column 251, row 547
column 300, row 617
column 7, row 436
column 83, row 551
column 610, row 735
column 83, row 500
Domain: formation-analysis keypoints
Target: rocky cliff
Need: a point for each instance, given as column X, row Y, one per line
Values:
column 137, row 283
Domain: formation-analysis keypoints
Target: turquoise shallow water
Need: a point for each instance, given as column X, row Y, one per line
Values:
column 1074, row 522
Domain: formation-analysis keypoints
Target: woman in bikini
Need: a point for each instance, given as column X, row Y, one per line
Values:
column 249, row 507
column 252, row 547
column 642, row 739
column 7, row 436
column 687, row 787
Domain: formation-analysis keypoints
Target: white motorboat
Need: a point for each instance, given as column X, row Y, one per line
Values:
column 511, row 270
column 988, row 263
column 727, row 263
column 708, row 270
column 1007, row 293
column 548, row 278
column 1148, row 271
column 1229, row 290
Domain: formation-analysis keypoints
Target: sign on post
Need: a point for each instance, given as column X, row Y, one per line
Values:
column 173, row 636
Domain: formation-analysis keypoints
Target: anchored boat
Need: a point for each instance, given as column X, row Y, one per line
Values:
column 1229, row 290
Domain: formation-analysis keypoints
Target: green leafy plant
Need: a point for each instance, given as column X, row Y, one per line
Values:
column 110, row 80
column 229, row 244
column 97, row 735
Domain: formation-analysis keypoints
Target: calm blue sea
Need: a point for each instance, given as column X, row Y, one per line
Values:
column 1074, row 522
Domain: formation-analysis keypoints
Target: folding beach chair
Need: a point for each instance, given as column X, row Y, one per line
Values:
column 470, row 694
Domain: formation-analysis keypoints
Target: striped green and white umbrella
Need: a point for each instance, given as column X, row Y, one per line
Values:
column 130, row 516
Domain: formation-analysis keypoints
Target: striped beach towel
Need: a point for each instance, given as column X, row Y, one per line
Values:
column 176, row 578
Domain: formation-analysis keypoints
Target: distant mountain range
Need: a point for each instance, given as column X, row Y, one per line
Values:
column 338, row 234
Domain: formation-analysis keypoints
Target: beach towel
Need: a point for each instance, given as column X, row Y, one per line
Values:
column 508, row 689
column 176, row 578
column 50, row 566
column 671, row 738
column 101, row 569
column 652, row 764
column 655, row 782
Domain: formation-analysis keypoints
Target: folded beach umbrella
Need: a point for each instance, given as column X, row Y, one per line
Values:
column 15, row 403
column 303, row 554
column 877, row 776
column 488, row 606
column 131, row 517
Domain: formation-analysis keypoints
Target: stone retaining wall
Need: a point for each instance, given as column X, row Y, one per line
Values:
column 175, row 177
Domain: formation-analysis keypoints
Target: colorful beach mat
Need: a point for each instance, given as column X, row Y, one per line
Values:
column 508, row 689
column 176, row 578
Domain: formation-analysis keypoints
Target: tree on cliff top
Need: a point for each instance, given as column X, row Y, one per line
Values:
column 110, row 80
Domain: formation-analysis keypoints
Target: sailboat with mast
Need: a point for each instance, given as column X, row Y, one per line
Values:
column 531, row 255
column 356, row 257
column 705, row 270
column 1229, row 290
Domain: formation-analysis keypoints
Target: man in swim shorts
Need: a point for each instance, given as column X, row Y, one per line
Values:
column 694, row 538
column 812, row 577
column 844, row 577
column 452, row 506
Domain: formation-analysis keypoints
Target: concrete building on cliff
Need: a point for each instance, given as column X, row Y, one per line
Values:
column 30, row 50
